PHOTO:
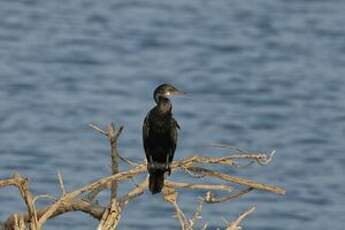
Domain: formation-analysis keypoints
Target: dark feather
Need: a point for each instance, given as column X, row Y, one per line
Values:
column 159, row 139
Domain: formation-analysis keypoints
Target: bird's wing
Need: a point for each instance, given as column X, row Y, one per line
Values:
column 173, row 138
column 146, row 133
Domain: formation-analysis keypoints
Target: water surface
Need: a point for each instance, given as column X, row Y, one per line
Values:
column 261, row 75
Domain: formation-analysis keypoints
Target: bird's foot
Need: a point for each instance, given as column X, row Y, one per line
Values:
column 167, row 165
column 151, row 166
column 168, row 169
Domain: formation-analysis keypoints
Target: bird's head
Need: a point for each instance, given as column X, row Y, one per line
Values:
column 166, row 90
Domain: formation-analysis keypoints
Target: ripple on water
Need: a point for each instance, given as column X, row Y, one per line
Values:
column 259, row 75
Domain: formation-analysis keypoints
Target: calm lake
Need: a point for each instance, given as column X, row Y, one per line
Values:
column 261, row 75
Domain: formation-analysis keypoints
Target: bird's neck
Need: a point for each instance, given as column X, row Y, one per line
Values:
column 164, row 105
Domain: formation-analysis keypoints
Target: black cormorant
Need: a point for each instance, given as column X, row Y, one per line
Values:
column 160, row 136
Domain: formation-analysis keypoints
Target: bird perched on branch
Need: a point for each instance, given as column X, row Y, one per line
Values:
column 160, row 136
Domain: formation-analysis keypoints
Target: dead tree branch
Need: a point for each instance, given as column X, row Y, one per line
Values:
column 22, row 184
column 170, row 196
column 236, row 224
column 82, row 199
column 210, row 199
column 190, row 186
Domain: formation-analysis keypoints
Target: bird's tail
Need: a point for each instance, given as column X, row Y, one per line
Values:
column 156, row 181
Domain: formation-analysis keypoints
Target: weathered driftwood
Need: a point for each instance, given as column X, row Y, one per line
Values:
column 109, row 217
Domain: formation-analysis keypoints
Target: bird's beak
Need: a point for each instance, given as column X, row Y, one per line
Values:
column 176, row 93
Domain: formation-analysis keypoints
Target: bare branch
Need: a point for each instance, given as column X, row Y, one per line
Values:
column 141, row 168
column 182, row 185
column 62, row 186
column 109, row 217
column 261, row 158
column 204, row 227
column 98, row 129
column 237, row 180
column 19, row 222
column 99, row 183
column 93, row 210
column 130, row 163
column 137, row 191
column 112, row 136
column 170, row 196
column 118, row 132
column 22, row 185
column 47, row 196
column 197, row 214
column 213, row 160
column 210, row 199
column 194, row 175
column 235, row 225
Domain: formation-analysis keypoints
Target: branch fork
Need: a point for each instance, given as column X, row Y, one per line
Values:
column 83, row 199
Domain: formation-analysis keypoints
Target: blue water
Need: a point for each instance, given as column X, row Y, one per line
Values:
column 261, row 75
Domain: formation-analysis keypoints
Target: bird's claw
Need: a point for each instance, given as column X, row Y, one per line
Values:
column 154, row 165
column 168, row 169
column 150, row 166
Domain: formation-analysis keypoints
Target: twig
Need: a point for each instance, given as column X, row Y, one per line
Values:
column 19, row 222
column 194, row 175
column 113, row 136
column 98, row 129
column 245, row 165
column 237, row 180
column 46, row 196
column 197, row 214
column 93, row 210
column 99, row 183
column 107, row 135
column 181, row 217
column 170, row 196
column 261, row 158
column 111, row 217
column 182, row 185
column 62, row 186
column 23, row 186
column 204, row 227
column 210, row 199
column 235, row 225
column 137, row 191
